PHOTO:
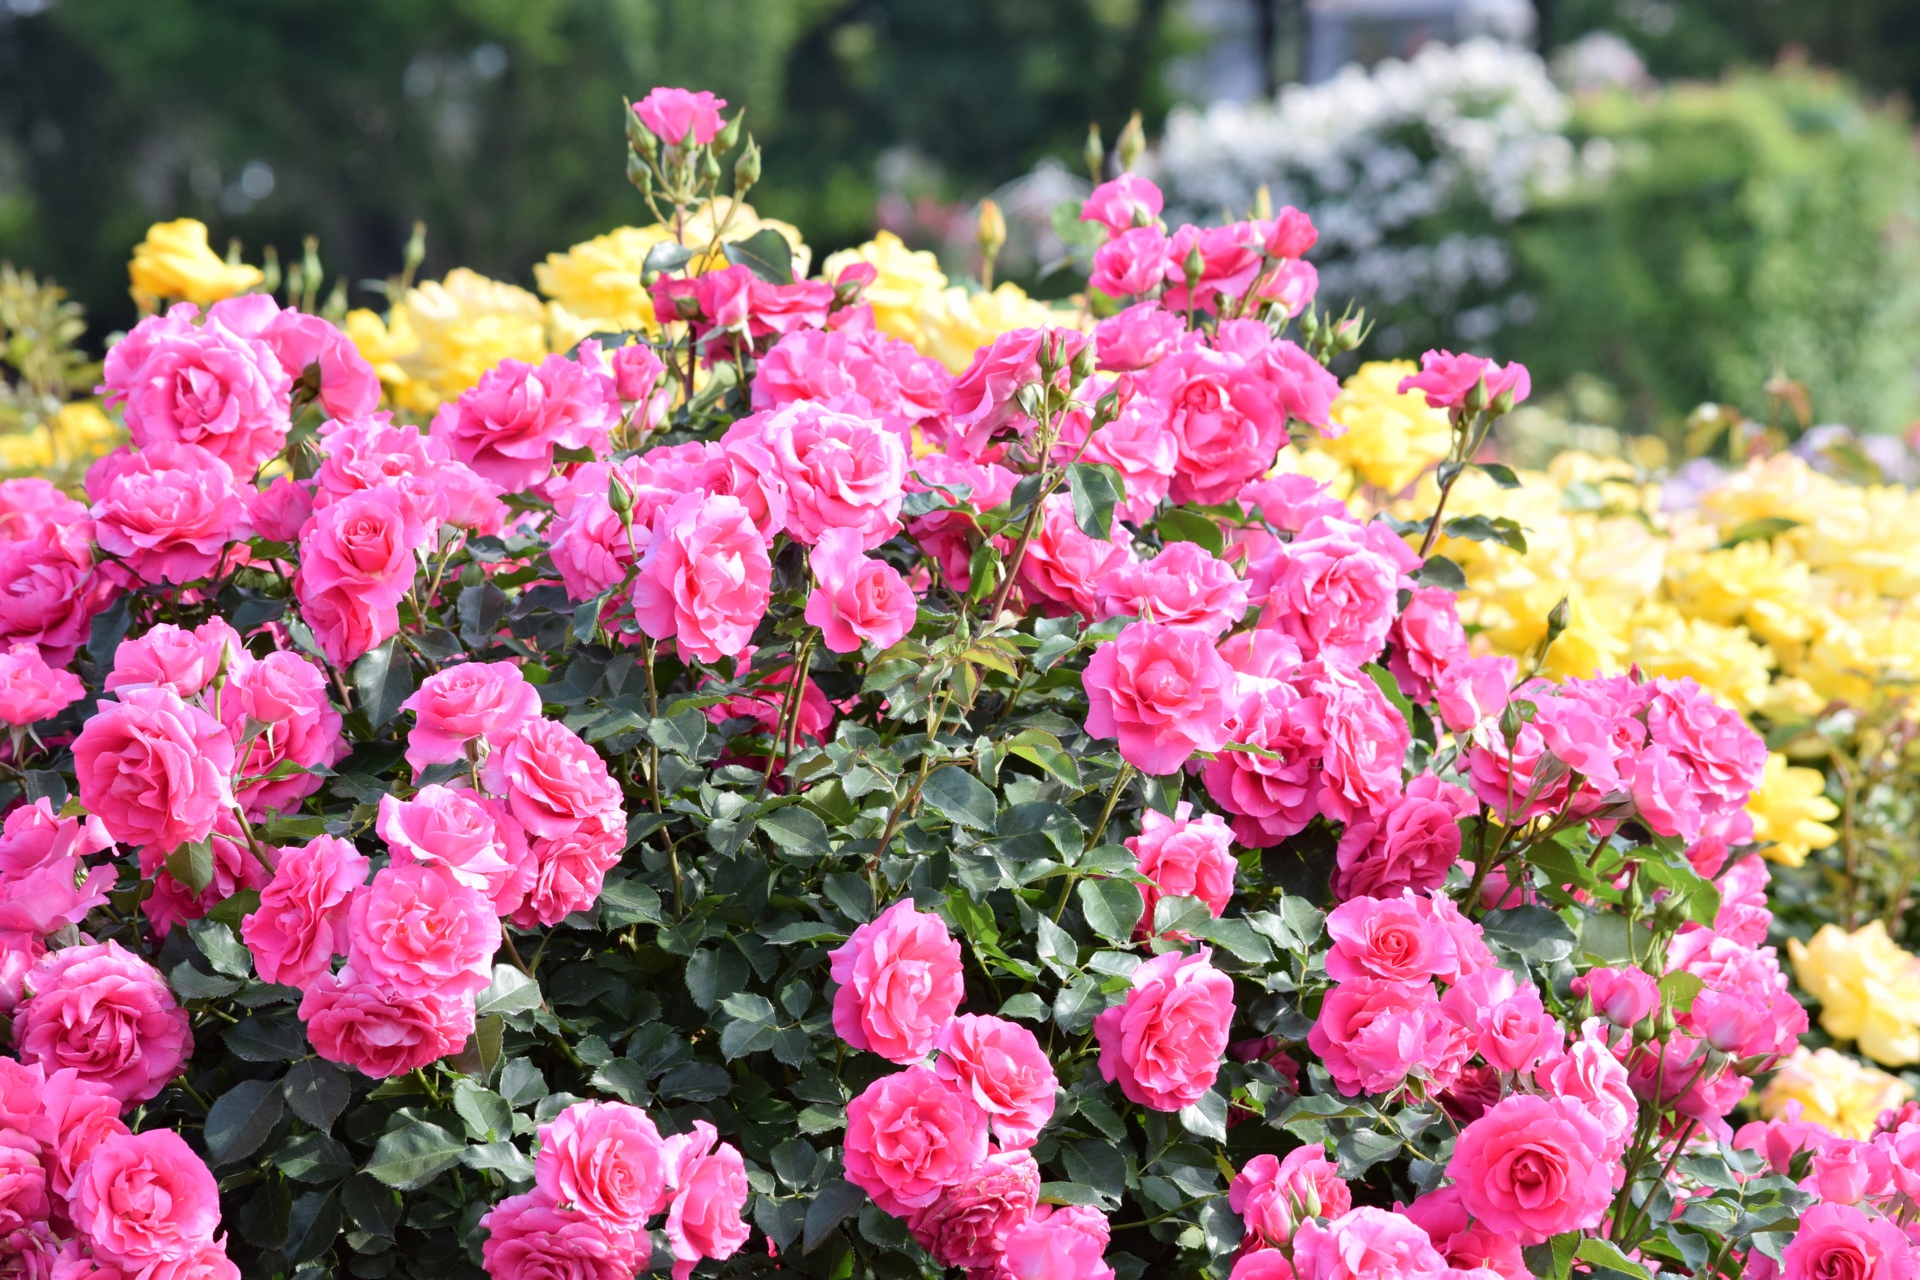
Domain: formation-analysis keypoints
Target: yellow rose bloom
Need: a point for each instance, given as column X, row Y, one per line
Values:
column 955, row 323
column 909, row 279
column 82, row 432
column 1755, row 582
column 1389, row 438
column 1790, row 812
column 1834, row 1091
column 1781, row 487
column 464, row 325
column 175, row 261
column 597, row 282
column 1868, row 989
column 1723, row 659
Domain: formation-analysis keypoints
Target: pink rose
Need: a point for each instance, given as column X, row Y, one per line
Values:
column 284, row 695
column 31, row 1253
column 1472, row 691
column 378, row 1030
column 1138, row 338
column 1129, row 200
column 1184, row 585
column 167, row 512
column 1002, row 1066
column 1533, row 1167
column 709, row 1189
column 1367, row 742
column 553, row 782
column 969, row 1224
column 1272, row 1195
column 22, row 1094
column 1290, row 234
column 30, row 690
column 345, row 625
column 456, row 830
column 911, row 1135
column 1516, row 1033
column 1365, row 1244
column 1162, row 691
column 637, row 374
column 507, row 425
column 1621, row 996
column 1062, row 567
column 20, row 950
column 1427, row 639
column 1373, row 1034
column 76, row 1115
column 1229, row 261
column 1722, row 756
column 809, row 364
column 235, row 867
column 348, row 386
column 1518, row 780
column 106, row 1013
column 35, row 837
column 1749, row 1011
column 705, row 580
column 50, row 588
column 605, row 1160
column 1225, row 417
column 301, row 923
column 857, row 598
column 1276, row 794
column 1837, row 1240
column 183, row 661
column 1138, row 445
column 1184, row 857
column 1062, row 1242
column 981, row 401
column 678, row 116
column 471, row 700
column 899, row 977
column 201, row 385
column 839, row 471
column 153, row 769
column 1334, row 588
column 422, row 932
column 281, row 510
column 724, row 296
column 1743, row 915
column 360, row 545
column 23, row 1183
column 765, row 701
column 569, row 869
column 529, row 1238
column 1445, row 379
column 1132, row 263
column 949, row 536
column 1397, row 939
column 1262, row 1264
column 1411, row 845
column 787, row 308
column 1464, row 1243
column 143, row 1198
column 1164, row 1044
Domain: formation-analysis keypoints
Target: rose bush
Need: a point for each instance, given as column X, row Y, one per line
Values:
column 769, row 805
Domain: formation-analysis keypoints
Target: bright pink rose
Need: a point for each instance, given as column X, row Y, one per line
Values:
column 857, row 599
column 153, row 769
column 605, row 1160
column 969, row 1224
column 1062, row 568
column 1137, row 338
column 20, row 950
column 200, row 385
column 30, row 690
column 637, row 373
column 23, row 1183
column 235, row 867
column 301, row 923
column 1132, row 263
column 1127, row 201
column 1463, row 1242
column 1276, row 794
column 507, row 426
column 1533, row 1167
column 981, row 402
column 30, row 504
column 1472, row 691
column 1367, row 742
column 705, row 580
column 1062, row 1242
column 676, row 116
column 457, row 830
column 35, row 837
column 348, row 387
column 1162, row 691
column 786, row 308
column 1365, row 1244
column 1373, row 1034
column 50, row 587
column 1427, row 639
column 471, row 700
column 422, row 932
column 1262, row 1264
column 281, row 510
column 724, row 297
column 1445, row 379
column 143, row 1198
column 1779, row 1141
column 1184, row 585
column 1164, row 1044
column 838, row 471
column 1225, row 417
column 284, row 695
column 23, row 1089
column 1272, row 1196
column 1517, row 781
column 1411, row 845
column 378, row 1030
column 554, row 783
column 1397, row 939
column 1836, row 1241
column 911, row 1135
column 709, row 1189
column 76, row 1115
column 345, row 624
column 529, row 1238
column 1744, row 915
column 1290, row 234
column 1334, row 588
column 106, row 1013
column 811, row 364
column 1847, row 1172
column 1516, row 1033
column 899, row 977
column 1621, row 996
column 1752, row 1012
column 1229, row 261
column 1002, row 1066
column 1138, row 445
column 949, row 536
column 1184, row 857
column 361, row 545
column 569, row 869
column 167, row 512
column 765, row 702
column 183, row 661
column 1723, row 757
column 31, row 1253
column 1289, row 502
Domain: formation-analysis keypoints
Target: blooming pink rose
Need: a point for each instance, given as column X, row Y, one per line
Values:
column 949, row 536
column 529, row 1238
column 183, row 661
column 1427, row 639
column 981, row 401
column 23, row 1089
column 1463, row 1242
column 811, row 364
column 705, row 580
column 1367, row 742
column 1138, row 445
column 457, row 830
column 153, row 769
column 1472, row 691
column 766, row 702
column 1164, row 1044
column 50, row 588
column 1723, row 757
column 1289, row 502
column 838, row 471
column 899, row 977
column 1373, row 1034
column 281, row 510
column 1847, row 1172
column 76, row 1115
column 422, row 932
column 857, row 598
column 1290, row 234
column 1002, row 1066
column 1128, row 200
column 236, row 866
column 1445, row 379
column 1750, row 1011
column 349, row 387
column 637, row 373
column 676, row 115
column 1743, row 915
column 507, row 425
column 1225, row 417
column 143, row 1198
column 1262, row 1264
column 553, row 781
column 1837, row 1240
column 30, row 504
column 1533, row 1167
column 1275, row 794
column 709, row 1189
column 345, row 624
column 35, row 837
column 1516, row 1033
column 106, row 1013
column 1184, row 857
column 1138, row 337
column 201, row 385
column 786, row 308
column 461, row 703
column 30, row 1252
column 278, row 712
column 1621, row 996
column 968, row 1225
column 30, row 690
column 605, row 1160
column 362, row 545
column 1132, row 263
column 1062, row 1242
column 1184, row 585
column 1411, row 845
column 1334, row 588
column 1780, row 1141
column 1062, row 568
column 1518, row 780
column 1272, row 1196
column 1229, row 262
column 910, row 1135
column 1397, row 939
column 23, row 1183
column 1365, row 1244
column 379, row 1030
column 167, row 512
column 568, row 870
column 20, row 950
column 1162, row 691
column 301, row 923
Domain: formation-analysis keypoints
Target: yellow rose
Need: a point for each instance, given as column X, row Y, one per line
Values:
column 26, row 452
column 1790, row 812
column 82, row 432
column 174, row 261
column 1389, row 438
column 955, row 323
column 908, row 280
column 598, row 281
column 1834, row 1091
column 1868, row 989
column 1755, row 582
column 464, row 325
column 1723, row 659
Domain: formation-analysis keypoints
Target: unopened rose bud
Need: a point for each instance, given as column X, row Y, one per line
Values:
column 1309, row 323
column 710, row 165
column 639, row 172
column 729, row 135
column 1132, row 144
column 1510, row 723
column 1262, row 202
column 1192, row 266
column 1106, row 409
column 1094, row 154
column 991, row 227
column 746, row 170
column 1477, row 396
column 639, row 136
column 1032, row 400
column 1557, row 619
column 1502, row 403
column 619, row 497
column 1083, row 363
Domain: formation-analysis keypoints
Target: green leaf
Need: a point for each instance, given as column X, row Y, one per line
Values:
column 482, row 609
column 374, row 1209
column 959, row 797
column 1043, row 749
column 1361, row 1149
column 1678, row 989
column 796, row 829
column 682, row 734
column 312, row 1224
column 835, row 1202
column 664, row 257
column 1178, row 524
column 484, row 1112
column 1097, row 489
column 241, row 1118
column 192, row 865
column 383, row 679
column 1112, row 908
column 226, row 953
column 502, row 1158
column 1071, row 1193
column 315, row 1158
column 1206, row 1118
column 317, row 1092
column 1766, row 527
column 108, row 630
column 1531, row 932
column 1605, row 1253
column 1478, row 528
column 1181, row 914
column 765, row 253
column 521, row 1082
column 1237, row 936
column 191, row 984
column 413, row 1155
column 511, row 991
column 1500, row 473
column 1390, row 688
column 255, row 1040
column 1438, row 571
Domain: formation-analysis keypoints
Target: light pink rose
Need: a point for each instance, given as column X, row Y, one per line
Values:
column 281, row 510
column 1463, row 1242
column 76, row 1115
column 1128, row 200
column 200, row 385
column 553, row 781
column 1365, row 1244
column 1138, row 337
column 1846, row 1171
column 811, row 364
column 708, row 1184
column 899, row 977
column 1164, row 1045
column 1132, row 263
column 379, row 1030
column 1063, row 1242
column 1446, row 378
column 442, row 827
column 569, row 869
column 372, row 453
column 1272, row 1195
column 529, row 1238
column 705, row 580
column 1367, row 742
column 1062, row 567
column 1184, row 585
column 1744, row 916
column 1290, row 234
column 154, row 769
column 1835, row 1240
column 1591, row 1075
column 838, row 471
column 1184, row 856
column 910, row 1135
column 30, row 690
column 1723, row 757
column 301, row 923
column 472, row 700
column 1162, row 691
column 1516, row 1033
column 1427, row 639
column 362, row 545
column 1411, row 845
column 348, row 386
column 778, row 309
column 277, row 709
column 507, row 426
column 1373, row 1034
column 1334, row 588
column 1472, row 691
column 167, row 512
column 143, row 1198
column 1398, row 939
column 1002, row 1066
column 106, row 1013
column 605, row 1160
column 1751, row 998
column 34, row 837
column 1533, row 1167
column 980, row 402
column 1273, row 795
column 183, row 661
column 674, row 115
column 969, row 1224
column 422, row 932
column 857, row 599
